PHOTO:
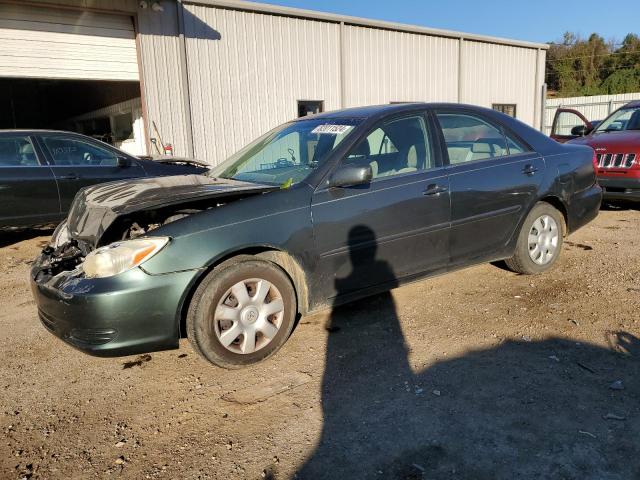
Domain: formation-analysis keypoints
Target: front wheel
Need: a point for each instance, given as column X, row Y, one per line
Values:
column 539, row 242
column 242, row 313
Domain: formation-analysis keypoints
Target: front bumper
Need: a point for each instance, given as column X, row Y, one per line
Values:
column 620, row 188
column 126, row 314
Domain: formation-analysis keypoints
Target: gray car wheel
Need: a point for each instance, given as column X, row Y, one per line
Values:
column 242, row 312
column 539, row 241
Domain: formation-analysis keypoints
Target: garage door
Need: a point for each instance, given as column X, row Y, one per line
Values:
column 58, row 43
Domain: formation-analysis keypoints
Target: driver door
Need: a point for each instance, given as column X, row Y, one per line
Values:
column 77, row 162
column 569, row 124
column 394, row 227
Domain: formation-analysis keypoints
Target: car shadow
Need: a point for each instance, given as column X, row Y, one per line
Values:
column 613, row 206
column 11, row 237
column 555, row 408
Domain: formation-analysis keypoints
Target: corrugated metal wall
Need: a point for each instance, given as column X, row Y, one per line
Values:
column 494, row 73
column 159, row 47
column 382, row 66
column 596, row 107
column 247, row 71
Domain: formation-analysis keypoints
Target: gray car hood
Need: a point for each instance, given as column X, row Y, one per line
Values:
column 95, row 208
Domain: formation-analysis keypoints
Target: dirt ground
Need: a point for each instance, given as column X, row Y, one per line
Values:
column 480, row 374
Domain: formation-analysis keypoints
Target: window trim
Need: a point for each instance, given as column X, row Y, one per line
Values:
column 495, row 106
column 307, row 100
column 504, row 130
column 391, row 118
column 88, row 140
column 34, row 145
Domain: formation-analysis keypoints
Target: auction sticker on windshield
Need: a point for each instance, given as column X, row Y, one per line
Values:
column 332, row 129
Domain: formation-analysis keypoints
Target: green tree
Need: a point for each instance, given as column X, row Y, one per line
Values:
column 622, row 81
column 593, row 66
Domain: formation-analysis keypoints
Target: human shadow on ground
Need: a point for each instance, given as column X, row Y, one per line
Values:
column 529, row 410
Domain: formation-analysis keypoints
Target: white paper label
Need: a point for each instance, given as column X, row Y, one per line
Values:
column 331, row 129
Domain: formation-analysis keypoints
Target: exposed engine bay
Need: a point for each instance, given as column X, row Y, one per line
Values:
column 69, row 254
column 122, row 211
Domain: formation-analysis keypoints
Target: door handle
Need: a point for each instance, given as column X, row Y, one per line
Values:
column 70, row 176
column 434, row 190
column 529, row 170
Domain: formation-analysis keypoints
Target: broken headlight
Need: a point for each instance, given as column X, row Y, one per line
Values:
column 119, row 257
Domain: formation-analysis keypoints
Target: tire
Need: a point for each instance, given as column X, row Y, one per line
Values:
column 216, row 315
column 526, row 259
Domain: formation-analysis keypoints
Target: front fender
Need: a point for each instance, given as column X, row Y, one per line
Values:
column 289, row 231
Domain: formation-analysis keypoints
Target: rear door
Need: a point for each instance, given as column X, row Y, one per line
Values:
column 28, row 190
column 393, row 227
column 493, row 179
column 569, row 124
column 78, row 162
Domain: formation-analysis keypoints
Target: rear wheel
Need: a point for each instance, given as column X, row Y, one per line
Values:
column 242, row 313
column 539, row 242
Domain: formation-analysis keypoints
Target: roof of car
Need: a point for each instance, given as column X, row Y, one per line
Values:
column 375, row 110
column 36, row 130
column 634, row 104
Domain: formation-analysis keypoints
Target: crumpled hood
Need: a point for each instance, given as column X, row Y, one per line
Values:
column 95, row 208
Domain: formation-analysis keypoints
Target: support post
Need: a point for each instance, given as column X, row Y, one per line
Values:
column 186, row 94
column 460, row 67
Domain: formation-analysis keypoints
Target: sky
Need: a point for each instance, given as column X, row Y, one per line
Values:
column 533, row 20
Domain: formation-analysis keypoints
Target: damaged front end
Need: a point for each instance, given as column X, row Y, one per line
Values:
column 89, row 283
column 109, row 214
column 63, row 254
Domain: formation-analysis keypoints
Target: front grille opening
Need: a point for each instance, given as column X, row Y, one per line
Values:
column 92, row 336
column 616, row 160
column 47, row 321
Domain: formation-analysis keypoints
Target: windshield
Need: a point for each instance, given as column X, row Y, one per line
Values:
column 287, row 154
column 623, row 119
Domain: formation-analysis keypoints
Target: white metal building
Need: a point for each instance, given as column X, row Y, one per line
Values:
column 214, row 74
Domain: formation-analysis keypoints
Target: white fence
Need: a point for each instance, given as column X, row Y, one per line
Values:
column 594, row 108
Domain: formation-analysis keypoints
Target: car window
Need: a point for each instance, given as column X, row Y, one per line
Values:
column 17, row 151
column 515, row 148
column 284, row 151
column 70, row 151
column 566, row 122
column 623, row 119
column 395, row 147
column 470, row 138
column 287, row 154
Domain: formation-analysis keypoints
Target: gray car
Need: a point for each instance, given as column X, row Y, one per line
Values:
column 317, row 212
column 42, row 170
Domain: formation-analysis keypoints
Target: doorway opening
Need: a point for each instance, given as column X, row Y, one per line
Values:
column 110, row 111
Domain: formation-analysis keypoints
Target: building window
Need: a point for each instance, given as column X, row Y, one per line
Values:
column 309, row 107
column 506, row 108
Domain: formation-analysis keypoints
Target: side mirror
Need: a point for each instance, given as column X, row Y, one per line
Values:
column 348, row 175
column 580, row 131
column 123, row 162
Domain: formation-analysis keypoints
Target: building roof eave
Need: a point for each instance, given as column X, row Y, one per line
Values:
column 358, row 21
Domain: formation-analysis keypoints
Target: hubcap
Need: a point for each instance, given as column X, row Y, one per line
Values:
column 543, row 239
column 248, row 316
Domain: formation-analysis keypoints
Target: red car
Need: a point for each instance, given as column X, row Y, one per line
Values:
column 616, row 141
